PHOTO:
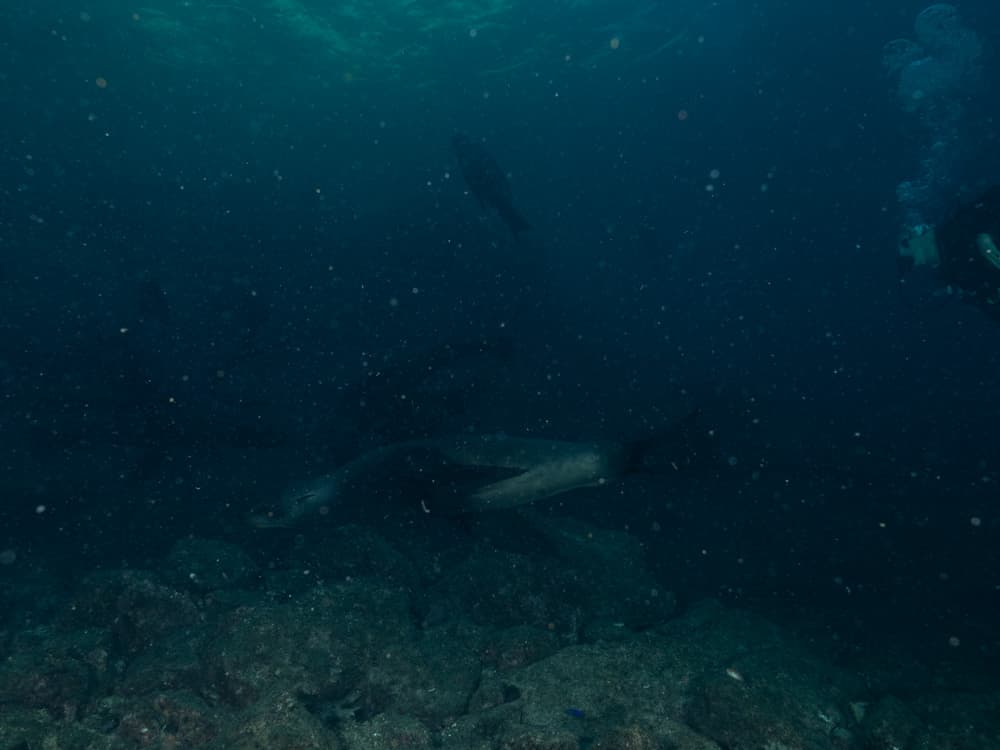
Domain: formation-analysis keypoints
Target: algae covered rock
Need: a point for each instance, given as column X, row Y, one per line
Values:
column 278, row 721
column 137, row 607
column 323, row 643
column 58, row 670
column 208, row 565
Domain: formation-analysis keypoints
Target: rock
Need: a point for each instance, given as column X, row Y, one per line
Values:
column 518, row 647
column 595, row 585
column 387, row 731
column 172, row 719
column 500, row 589
column 603, row 571
column 278, row 721
column 174, row 664
column 779, row 696
column 540, row 739
column 35, row 728
column 325, row 645
column 138, row 608
column 208, row 565
column 628, row 738
column 56, row 670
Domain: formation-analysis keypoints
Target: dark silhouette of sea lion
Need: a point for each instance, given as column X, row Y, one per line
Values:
column 487, row 182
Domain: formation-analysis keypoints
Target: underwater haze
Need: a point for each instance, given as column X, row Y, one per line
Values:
column 497, row 374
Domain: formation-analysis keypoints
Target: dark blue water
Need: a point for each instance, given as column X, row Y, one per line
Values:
column 225, row 226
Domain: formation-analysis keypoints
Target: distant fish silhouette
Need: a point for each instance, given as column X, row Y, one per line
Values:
column 487, row 182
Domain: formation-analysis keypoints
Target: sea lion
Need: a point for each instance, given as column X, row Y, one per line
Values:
column 475, row 473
